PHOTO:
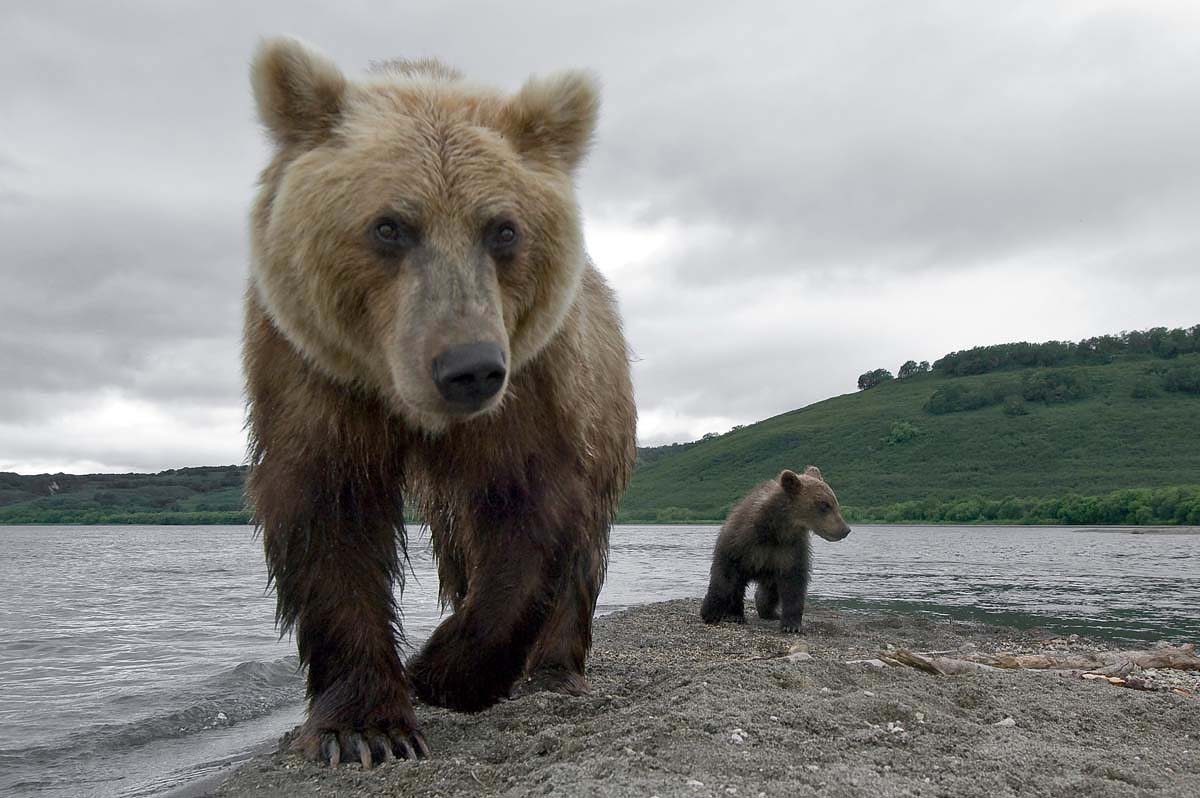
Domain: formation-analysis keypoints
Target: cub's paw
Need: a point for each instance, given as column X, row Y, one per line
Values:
column 369, row 746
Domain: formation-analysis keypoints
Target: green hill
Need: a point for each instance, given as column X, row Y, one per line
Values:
column 1102, row 431
column 939, row 447
column 209, row 495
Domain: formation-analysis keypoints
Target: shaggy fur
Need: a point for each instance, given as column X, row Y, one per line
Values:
column 347, row 423
column 765, row 540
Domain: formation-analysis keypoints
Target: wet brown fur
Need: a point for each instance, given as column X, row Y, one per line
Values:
column 765, row 539
column 344, row 429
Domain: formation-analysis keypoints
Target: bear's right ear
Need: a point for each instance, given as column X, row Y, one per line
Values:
column 299, row 91
column 790, row 481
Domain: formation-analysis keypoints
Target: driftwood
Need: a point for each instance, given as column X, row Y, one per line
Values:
column 1106, row 663
column 1115, row 667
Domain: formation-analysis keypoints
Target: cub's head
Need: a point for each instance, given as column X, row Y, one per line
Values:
column 417, row 235
column 812, row 502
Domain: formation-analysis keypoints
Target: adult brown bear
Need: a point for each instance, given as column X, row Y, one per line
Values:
column 423, row 324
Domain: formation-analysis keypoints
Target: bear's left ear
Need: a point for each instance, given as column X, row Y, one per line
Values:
column 790, row 481
column 813, row 471
column 552, row 119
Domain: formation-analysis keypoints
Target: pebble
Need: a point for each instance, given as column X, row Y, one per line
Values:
column 868, row 693
column 693, row 783
column 1006, row 723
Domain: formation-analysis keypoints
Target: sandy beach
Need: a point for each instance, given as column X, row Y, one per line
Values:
column 682, row 709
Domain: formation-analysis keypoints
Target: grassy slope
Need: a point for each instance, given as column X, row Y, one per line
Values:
column 216, row 489
column 1105, row 442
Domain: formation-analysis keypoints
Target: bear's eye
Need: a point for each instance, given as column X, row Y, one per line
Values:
column 390, row 234
column 824, row 507
column 502, row 239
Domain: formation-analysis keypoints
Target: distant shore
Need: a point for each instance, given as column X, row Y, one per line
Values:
column 682, row 709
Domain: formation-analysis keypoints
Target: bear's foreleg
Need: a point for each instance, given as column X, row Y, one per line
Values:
column 475, row 656
column 766, row 599
column 558, row 658
column 332, row 553
column 793, row 590
column 726, row 594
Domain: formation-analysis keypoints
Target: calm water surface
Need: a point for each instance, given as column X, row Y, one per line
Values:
column 134, row 660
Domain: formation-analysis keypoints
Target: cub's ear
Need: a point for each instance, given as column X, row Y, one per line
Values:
column 552, row 119
column 813, row 471
column 299, row 91
column 790, row 481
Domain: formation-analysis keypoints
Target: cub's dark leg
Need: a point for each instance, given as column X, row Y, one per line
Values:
column 793, row 590
column 726, row 593
column 325, row 484
column 558, row 658
column 766, row 599
column 515, row 558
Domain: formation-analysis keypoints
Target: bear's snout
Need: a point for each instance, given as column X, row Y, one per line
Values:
column 834, row 535
column 469, row 375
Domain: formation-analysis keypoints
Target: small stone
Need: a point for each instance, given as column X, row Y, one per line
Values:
column 868, row 693
column 1006, row 723
column 736, row 738
column 812, row 768
column 694, row 784
column 774, row 717
column 731, row 790
column 920, row 716
column 800, row 656
column 826, row 690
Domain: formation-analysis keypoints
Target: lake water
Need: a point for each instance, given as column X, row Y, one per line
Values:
column 136, row 660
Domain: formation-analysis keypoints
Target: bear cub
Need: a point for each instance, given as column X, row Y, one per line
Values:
column 765, row 540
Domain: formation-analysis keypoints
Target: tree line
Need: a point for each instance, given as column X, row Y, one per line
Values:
column 1157, row 342
column 1130, row 507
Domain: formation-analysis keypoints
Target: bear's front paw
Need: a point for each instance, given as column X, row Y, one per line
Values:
column 362, row 718
column 369, row 746
column 789, row 627
column 442, row 678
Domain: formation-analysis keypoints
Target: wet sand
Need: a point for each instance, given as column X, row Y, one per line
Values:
column 682, row 709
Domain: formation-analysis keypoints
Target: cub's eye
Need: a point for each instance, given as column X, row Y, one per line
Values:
column 391, row 234
column 502, row 239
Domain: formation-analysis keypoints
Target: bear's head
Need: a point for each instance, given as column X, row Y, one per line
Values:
column 812, row 502
column 417, row 235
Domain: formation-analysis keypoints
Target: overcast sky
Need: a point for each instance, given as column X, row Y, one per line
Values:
column 783, row 194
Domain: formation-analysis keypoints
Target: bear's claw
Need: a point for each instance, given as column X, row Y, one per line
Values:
column 370, row 747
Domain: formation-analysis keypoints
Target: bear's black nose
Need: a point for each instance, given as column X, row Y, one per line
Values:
column 470, row 374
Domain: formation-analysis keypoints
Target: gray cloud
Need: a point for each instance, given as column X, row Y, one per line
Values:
column 784, row 195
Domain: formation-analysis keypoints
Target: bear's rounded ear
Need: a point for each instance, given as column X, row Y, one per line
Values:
column 790, row 481
column 813, row 471
column 299, row 91
column 552, row 119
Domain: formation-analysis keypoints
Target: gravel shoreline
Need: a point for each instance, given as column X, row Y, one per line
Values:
column 682, row 709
